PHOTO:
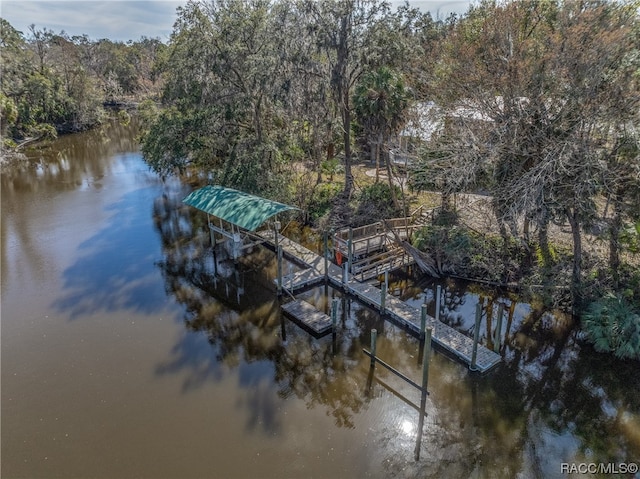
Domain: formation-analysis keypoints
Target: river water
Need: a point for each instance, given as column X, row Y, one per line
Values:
column 129, row 350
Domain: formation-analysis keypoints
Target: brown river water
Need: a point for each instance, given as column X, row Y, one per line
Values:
column 129, row 350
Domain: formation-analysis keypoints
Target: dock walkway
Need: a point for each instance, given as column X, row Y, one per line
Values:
column 443, row 335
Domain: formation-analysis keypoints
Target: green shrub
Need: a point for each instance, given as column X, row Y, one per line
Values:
column 124, row 118
column 322, row 199
column 612, row 324
column 375, row 200
column 43, row 131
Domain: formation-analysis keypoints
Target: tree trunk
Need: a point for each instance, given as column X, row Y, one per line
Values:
column 346, row 124
column 543, row 240
column 614, row 239
column 394, row 197
column 576, row 276
column 378, row 148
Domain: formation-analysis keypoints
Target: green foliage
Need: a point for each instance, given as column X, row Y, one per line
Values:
column 8, row 143
column 381, row 100
column 612, row 324
column 541, row 257
column 459, row 250
column 630, row 237
column 330, row 167
column 445, row 217
column 8, row 113
column 63, row 81
column 43, row 131
column 376, row 202
column 123, row 117
column 322, row 200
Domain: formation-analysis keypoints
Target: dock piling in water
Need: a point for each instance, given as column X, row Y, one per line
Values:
column 438, row 296
column 374, row 340
column 279, row 269
column 476, row 336
column 498, row 333
column 334, row 312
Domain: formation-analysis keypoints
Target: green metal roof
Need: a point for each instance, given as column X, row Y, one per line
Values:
column 241, row 209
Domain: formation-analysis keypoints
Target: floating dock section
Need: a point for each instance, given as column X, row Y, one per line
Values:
column 306, row 314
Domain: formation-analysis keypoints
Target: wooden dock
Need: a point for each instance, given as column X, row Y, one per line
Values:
column 306, row 314
column 312, row 264
column 446, row 337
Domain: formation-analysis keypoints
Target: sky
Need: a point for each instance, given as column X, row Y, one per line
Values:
column 122, row 20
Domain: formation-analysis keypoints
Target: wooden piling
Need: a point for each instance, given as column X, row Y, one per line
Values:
column 423, row 321
column 349, row 250
column 438, row 296
column 476, row 337
column 383, row 298
column 424, row 392
column 425, row 360
column 334, row 312
column 326, row 255
column 279, row 269
column 498, row 333
column 374, row 340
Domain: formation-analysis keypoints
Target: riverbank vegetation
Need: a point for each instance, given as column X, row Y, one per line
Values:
column 54, row 83
column 516, row 124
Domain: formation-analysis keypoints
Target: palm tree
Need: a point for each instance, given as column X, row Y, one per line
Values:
column 381, row 103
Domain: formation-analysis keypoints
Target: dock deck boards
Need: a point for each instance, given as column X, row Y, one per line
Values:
column 443, row 335
column 308, row 315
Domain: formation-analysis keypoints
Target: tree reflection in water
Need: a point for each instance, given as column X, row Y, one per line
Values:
column 552, row 400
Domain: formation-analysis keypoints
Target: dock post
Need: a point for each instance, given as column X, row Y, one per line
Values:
column 345, row 276
column 349, row 250
column 438, row 296
column 425, row 361
column 424, row 392
column 334, row 312
column 276, row 231
column 279, row 269
column 383, row 298
column 326, row 255
column 237, row 243
column 386, row 280
column 423, row 321
column 374, row 340
column 498, row 333
column 276, row 228
column 290, row 274
column 476, row 336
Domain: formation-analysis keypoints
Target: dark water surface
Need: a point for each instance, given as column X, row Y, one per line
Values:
column 128, row 350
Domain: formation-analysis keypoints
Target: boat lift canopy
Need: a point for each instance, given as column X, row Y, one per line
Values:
column 236, row 207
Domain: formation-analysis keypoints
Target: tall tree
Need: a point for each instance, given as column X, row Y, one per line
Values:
column 224, row 94
column 530, row 87
column 340, row 27
column 381, row 102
